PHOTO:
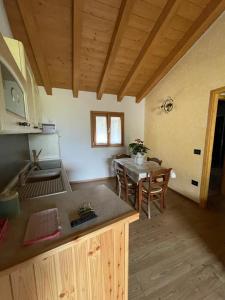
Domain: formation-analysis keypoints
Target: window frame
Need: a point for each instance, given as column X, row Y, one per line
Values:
column 108, row 115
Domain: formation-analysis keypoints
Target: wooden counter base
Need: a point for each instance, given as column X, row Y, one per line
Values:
column 88, row 262
column 93, row 267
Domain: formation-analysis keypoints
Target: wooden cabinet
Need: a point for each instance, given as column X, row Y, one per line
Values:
column 92, row 267
column 14, row 63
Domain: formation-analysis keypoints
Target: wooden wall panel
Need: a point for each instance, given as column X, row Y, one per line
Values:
column 23, row 284
column 95, row 268
column 189, row 10
column 119, row 262
column 91, row 268
column 98, row 25
column 45, row 274
column 186, row 14
column 106, row 239
column 65, row 273
column 55, row 25
column 54, row 21
column 81, row 270
column 5, row 288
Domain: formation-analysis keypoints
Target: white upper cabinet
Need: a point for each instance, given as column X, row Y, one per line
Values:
column 32, row 96
column 18, row 90
column 17, row 50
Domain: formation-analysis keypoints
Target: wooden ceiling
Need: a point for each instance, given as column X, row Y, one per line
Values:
column 122, row 47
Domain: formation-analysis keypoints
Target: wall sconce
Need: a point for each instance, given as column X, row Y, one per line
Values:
column 167, row 105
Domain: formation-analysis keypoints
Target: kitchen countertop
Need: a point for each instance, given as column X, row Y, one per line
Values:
column 108, row 206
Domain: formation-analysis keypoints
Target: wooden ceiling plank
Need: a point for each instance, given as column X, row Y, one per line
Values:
column 77, row 24
column 160, row 25
column 35, row 40
column 211, row 12
column 121, row 22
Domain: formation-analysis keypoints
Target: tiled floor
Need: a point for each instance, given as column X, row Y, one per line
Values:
column 179, row 254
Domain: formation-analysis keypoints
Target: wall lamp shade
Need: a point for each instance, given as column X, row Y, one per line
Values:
column 167, row 105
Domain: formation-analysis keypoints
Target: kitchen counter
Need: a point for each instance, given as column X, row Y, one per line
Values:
column 109, row 208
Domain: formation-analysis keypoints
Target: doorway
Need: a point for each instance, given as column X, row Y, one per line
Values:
column 213, row 157
column 216, row 175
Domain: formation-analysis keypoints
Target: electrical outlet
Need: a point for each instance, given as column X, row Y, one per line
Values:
column 194, row 182
column 197, row 151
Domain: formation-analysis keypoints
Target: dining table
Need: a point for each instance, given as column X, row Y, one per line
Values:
column 139, row 173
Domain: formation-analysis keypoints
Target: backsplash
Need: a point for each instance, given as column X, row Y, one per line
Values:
column 14, row 151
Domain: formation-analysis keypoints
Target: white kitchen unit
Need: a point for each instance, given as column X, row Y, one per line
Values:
column 18, row 90
column 32, row 96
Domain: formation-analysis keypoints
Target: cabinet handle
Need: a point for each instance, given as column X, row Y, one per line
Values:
column 25, row 124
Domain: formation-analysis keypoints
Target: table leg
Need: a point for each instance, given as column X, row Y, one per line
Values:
column 139, row 195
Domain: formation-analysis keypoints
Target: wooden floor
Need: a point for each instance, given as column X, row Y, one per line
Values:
column 179, row 254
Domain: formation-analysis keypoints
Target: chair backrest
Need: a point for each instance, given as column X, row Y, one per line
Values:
column 121, row 174
column 118, row 156
column 160, row 177
column 155, row 159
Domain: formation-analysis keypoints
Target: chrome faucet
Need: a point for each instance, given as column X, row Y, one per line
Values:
column 36, row 156
column 22, row 178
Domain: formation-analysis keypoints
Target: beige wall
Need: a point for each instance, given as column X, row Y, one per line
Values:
column 173, row 136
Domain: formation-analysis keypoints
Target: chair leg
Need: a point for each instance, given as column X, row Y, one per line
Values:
column 164, row 201
column 149, row 210
column 119, row 187
column 136, row 199
column 126, row 195
column 161, row 202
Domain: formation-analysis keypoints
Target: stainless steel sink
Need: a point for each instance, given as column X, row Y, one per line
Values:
column 40, row 183
column 49, row 164
column 43, row 175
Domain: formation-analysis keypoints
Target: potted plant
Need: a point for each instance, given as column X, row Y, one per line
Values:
column 138, row 149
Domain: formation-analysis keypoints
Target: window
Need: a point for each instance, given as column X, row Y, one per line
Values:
column 107, row 129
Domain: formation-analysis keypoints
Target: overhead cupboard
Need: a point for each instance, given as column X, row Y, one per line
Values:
column 19, row 110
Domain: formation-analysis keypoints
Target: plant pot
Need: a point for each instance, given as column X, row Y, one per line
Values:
column 139, row 159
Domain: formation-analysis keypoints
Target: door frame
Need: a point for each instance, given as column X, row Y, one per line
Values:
column 209, row 141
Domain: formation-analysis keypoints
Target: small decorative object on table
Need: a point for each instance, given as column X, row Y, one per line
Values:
column 86, row 213
column 138, row 149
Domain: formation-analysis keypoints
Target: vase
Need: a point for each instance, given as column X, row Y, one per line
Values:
column 139, row 159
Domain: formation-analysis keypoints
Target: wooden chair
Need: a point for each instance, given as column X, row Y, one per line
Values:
column 119, row 156
column 155, row 159
column 126, row 186
column 155, row 187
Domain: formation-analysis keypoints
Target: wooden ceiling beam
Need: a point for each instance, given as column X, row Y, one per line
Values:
column 77, row 24
column 160, row 25
column 121, row 22
column 36, row 43
column 211, row 12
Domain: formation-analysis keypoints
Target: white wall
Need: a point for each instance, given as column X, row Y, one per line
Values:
column 72, row 118
column 47, row 143
column 174, row 136
column 4, row 24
